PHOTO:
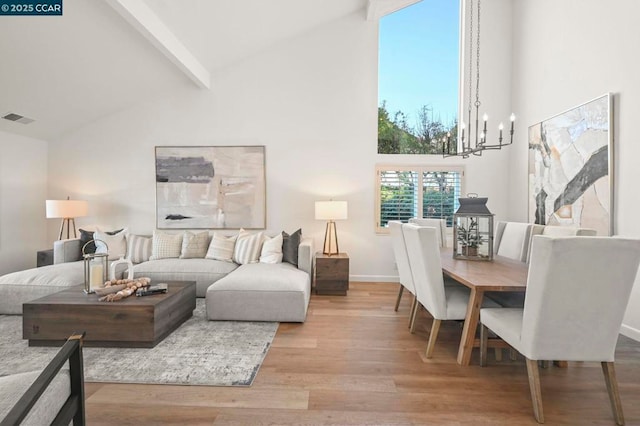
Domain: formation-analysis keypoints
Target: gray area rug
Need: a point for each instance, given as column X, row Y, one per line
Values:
column 200, row 352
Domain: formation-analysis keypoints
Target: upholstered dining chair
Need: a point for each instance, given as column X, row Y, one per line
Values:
column 512, row 240
column 557, row 231
column 402, row 263
column 577, row 293
column 442, row 302
column 439, row 224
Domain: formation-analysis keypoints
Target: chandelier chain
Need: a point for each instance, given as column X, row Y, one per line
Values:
column 478, row 59
column 470, row 50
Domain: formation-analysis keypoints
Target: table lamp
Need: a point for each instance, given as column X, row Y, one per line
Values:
column 68, row 210
column 331, row 211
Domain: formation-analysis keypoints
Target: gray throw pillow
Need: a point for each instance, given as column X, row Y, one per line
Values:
column 290, row 245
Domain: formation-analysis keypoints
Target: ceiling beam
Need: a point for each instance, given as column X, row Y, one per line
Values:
column 376, row 9
column 147, row 23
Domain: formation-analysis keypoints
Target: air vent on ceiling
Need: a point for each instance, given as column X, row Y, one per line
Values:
column 18, row 118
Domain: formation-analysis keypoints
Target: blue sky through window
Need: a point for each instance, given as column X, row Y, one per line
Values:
column 418, row 60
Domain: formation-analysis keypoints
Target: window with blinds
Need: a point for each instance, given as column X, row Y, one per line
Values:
column 404, row 192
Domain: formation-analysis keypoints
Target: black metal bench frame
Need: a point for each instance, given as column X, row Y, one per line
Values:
column 73, row 408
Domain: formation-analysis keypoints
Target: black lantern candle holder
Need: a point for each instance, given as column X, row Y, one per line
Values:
column 95, row 269
column 473, row 229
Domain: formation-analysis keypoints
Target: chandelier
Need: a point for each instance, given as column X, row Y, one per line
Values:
column 479, row 143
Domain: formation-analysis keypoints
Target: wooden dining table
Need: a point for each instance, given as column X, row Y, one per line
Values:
column 500, row 274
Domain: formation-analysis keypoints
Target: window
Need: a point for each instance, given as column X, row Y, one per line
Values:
column 404, row 192
column 418, row 77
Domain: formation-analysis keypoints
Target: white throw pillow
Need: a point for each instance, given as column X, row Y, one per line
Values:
column 248, row 246
column 271, row 250
column 138, row 248
column 114, row 245
column 166, row 246
column 194, row 245
column 221, row 247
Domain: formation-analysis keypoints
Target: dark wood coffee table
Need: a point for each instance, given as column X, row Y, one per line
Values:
column 138, row 322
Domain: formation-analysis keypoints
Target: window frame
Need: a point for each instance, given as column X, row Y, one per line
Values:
column 419, row 170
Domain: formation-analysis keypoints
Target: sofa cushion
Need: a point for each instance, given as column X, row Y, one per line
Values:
column 166, row 246
column 46, row 407
column 290, row 245
column 138, row 248
column 260, row 292
column 203, row 271
column 115, row 245
column 247, row 248
column 221, row 247
column 23, row 286
column 271, row 250
column 194, row 246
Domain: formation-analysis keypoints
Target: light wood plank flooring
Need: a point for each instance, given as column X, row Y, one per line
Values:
column 354, row 362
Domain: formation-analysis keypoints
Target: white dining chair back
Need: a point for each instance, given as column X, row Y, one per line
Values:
column 401, row 256
column 577, row 293
column 439, row 224
column 424, row 258
column 568, row 231
column 512, row 240
column 557, row 231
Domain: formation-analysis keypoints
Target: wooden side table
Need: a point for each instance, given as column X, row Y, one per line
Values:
column 44, row 258
column 332, row 274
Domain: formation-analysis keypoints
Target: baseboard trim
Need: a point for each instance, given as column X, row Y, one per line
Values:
column 374, row 278
column 630, row 332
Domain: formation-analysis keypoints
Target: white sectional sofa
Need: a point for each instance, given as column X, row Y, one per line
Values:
column 250, row 292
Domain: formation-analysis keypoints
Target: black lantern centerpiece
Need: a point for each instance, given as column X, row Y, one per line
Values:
column 473, row 229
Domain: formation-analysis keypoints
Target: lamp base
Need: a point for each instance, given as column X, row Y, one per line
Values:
column 68, row 221
column 330, row 239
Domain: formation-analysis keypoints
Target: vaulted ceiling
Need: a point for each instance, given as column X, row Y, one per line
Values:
column 103, row 56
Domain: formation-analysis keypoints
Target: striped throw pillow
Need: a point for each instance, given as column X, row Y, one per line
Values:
column 138, row 248
column 166, row 246
column 194, row 245
column 248, row 247
column 221, row 247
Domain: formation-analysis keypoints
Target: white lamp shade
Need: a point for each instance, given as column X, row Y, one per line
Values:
column 331, row 210
column 66, row 208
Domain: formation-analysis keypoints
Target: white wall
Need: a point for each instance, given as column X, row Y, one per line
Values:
column 566, row 53
column 312, row 100
column 23, row 190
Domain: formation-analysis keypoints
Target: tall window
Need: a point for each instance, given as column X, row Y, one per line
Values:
column 418, row 76
column 404, row 192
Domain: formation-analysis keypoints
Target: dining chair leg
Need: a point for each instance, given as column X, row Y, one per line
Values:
column 414, row 314
column 399, row 297
column 484, row 340
column 612, row 387
column 435, row 328
column 534, row 386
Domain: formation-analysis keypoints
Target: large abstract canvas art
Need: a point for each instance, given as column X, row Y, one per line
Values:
column 210, row 187
column 570, row 168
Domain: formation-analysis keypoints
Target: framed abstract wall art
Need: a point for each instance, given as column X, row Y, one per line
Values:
column 571, row 168
column 210, row 187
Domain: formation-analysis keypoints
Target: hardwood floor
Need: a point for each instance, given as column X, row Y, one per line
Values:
column 354, row 362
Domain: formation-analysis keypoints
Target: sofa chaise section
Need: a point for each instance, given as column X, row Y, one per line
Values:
column 20, row 287
column 260, row 292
